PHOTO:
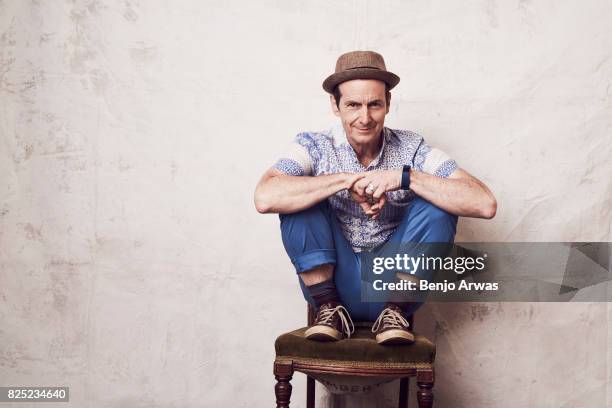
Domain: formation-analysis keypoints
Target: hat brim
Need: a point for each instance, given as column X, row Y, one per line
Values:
column 360, row 73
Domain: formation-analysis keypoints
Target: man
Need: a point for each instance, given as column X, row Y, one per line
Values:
column 356, row 189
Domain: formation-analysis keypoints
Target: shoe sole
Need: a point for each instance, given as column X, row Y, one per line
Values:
column 396, row 336
column 322, row 333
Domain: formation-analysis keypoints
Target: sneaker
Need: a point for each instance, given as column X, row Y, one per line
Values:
column 331, row 323
column 391, row 327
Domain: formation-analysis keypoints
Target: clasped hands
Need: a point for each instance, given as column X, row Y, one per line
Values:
column 368, row 189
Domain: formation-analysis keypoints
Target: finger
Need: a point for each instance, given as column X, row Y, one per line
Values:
column 375, row 210
column 379, row 192
column 356, row 178
column 376, row 214
column 357, row 198
column 369, row 211
column 382, row 202
column 360, row 187
column 365, row 207
column 376, row 207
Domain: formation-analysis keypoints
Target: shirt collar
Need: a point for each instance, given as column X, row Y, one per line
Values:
column 339, row 136
column 340, row 141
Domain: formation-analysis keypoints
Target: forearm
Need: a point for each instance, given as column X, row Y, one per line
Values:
column 466, row 197
column 285, row 194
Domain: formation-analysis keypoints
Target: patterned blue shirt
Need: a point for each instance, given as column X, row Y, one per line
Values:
column 329, row 152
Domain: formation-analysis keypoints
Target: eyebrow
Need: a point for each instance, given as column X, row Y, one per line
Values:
column 348, row 101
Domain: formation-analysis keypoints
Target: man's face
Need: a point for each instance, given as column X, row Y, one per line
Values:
column 362, row 109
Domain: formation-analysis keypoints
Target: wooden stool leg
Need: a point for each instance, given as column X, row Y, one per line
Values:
column 283, row 373
column 425, row 395
column 404, row 392
column 425, row 383
column 310, row 392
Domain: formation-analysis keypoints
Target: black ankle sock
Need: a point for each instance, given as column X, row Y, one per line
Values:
column 324, row 292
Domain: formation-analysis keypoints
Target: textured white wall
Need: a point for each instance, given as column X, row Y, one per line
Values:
column 133, row 266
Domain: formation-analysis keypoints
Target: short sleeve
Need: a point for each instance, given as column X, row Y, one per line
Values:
column 433, row 161
column 296, row 160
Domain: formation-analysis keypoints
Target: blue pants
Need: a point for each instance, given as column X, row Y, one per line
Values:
column 313, row 237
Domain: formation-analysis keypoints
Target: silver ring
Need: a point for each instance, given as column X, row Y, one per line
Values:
column 370, row 188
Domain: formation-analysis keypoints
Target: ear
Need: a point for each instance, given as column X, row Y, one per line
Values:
column 334, row 107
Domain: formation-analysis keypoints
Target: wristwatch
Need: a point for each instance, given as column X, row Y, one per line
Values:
column 405, row 185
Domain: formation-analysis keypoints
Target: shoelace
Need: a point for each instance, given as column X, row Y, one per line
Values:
column 391, row 318
column 326, row 315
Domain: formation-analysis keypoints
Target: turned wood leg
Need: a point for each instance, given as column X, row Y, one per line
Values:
column 310, row 392
column 403, row 391
column 425, row 395
column 283, row 373
column 425, row 383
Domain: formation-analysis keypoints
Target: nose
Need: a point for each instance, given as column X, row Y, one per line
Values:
column 364, row 116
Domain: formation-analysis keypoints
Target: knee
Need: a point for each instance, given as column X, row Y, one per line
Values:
column 437, row 216
column 306, row 224
column 317, row 210
column 314, row 211
column 432, row 214
column 433, row 223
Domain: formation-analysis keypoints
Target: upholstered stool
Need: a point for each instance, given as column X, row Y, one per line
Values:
column 358, row 356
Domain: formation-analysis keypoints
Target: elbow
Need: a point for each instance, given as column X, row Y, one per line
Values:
column 489, row 210
column 262, row 204
column 267, row 197
column 262, row 207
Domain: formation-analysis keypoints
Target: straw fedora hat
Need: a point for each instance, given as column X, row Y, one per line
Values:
column 360, row 65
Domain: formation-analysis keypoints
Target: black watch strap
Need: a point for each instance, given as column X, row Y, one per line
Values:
column 405, row 178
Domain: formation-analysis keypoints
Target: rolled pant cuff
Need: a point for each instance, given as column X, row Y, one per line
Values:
column 312, row 259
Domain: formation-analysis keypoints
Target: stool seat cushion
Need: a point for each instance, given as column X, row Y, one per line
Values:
column 361, row 347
